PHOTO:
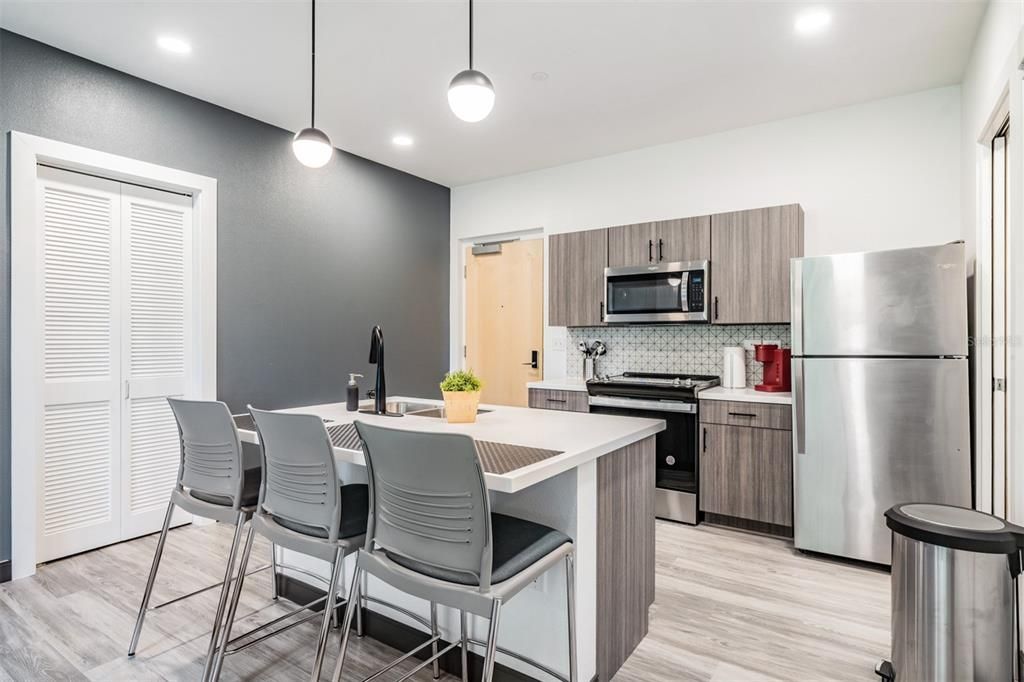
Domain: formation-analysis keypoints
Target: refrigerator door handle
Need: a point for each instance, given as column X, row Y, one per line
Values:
column 799, row 402
column 796, row 305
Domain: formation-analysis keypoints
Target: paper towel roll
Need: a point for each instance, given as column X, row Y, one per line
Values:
column 734, row 367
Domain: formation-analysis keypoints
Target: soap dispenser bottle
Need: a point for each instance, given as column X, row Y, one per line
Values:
column 352, row 393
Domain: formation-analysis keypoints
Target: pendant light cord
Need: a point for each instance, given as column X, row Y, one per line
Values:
column 312, row 71
column 471, row 34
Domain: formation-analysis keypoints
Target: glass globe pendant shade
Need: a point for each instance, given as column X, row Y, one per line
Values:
column 471, row 96
column 312, row 147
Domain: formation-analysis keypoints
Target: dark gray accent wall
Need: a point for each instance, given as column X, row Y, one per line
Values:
column 308, row 259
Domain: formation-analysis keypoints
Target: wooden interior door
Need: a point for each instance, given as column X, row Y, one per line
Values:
column 505, row 319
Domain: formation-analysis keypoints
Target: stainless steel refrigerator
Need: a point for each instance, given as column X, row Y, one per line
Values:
column 880, row 393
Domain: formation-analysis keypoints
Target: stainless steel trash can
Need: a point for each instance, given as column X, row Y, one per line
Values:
column 953, row 595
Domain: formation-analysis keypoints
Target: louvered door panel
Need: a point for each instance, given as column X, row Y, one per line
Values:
column 156, row 229
column 79, row 466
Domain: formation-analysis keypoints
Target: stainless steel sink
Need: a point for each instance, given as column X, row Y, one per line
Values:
column 406, row 407
column 420, row 409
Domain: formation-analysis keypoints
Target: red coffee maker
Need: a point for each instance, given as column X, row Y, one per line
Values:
column 776, row 367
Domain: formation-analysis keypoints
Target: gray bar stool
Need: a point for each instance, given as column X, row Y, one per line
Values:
column 303, row 508
column 431, row 534
column 212, row 483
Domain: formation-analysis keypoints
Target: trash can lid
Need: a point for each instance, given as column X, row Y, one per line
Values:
column 955, row 527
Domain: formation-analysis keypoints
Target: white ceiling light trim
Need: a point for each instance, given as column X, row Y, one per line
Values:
column 812, row 21
column 402, row 140
column 471, row 93
column 311, row 145
column 174, row 44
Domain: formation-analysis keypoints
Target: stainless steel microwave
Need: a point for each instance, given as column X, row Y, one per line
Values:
column 666, row 292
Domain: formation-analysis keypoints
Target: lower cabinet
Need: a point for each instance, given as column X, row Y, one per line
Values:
column 746, row 472
column 568, row 401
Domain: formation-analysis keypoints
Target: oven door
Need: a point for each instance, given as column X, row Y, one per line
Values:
column 667, row 292
column 676, row 449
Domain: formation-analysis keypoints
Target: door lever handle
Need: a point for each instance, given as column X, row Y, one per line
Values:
column 534, row 359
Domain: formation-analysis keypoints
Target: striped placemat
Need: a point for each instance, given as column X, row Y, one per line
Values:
column 495, row 458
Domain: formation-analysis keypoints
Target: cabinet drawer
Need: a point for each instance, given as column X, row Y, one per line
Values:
column 734, row 413
column 569, row 401
column 747, row 473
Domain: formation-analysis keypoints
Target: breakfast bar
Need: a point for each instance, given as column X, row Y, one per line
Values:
column 589, row 476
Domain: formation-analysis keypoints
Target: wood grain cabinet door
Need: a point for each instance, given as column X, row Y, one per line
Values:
column 684, row 239
column 576, row 263
column 747, row 473
column 750, row 253
column 631, row 245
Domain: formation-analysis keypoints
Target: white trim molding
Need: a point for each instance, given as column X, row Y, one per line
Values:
column 27, row 152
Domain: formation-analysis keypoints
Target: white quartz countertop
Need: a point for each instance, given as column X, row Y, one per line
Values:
column 560, row 385
column 579, row 436
column 745, row 395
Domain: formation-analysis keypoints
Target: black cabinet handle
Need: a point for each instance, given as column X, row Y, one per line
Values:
column 661, row 244
column 704, row 445
column 601, row 316
column 742, row 414
column 716, row 307
column 650, row 250
column 557, row 400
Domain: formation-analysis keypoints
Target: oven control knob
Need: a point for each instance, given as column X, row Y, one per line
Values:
column 675, row 382
column 670, row 460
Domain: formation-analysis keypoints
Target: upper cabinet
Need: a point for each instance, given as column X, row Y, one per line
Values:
column 750, row 263
column 576, row 263
column 664, row 241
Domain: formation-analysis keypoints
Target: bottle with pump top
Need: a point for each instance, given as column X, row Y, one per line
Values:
column 352, row 393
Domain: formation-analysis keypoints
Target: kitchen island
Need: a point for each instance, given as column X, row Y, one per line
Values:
column 589, row 476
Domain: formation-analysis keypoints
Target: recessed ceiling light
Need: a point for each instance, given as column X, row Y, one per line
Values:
column 539, row 75
column 812, row 21
column 174, row 45
column 402, row 140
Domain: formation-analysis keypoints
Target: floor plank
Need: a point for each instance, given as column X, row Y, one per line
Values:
column 730, row 607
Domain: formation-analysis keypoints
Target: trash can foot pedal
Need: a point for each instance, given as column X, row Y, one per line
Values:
column 885, row 671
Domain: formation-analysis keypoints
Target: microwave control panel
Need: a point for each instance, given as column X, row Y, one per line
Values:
column 695, row 292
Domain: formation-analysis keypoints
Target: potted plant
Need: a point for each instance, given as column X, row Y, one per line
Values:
column 461, row 390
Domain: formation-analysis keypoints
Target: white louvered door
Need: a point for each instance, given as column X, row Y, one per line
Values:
column 79, row 468
column 156, row 230
column 116, row 283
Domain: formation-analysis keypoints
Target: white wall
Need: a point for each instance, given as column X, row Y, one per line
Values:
column 872, row 176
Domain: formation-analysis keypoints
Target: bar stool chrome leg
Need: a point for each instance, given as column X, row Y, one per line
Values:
column 232, row 607
column 354, row 593
column 570, row 603
column 151, row 580
column 436, row 665
column 332, row 597
column 464, row 633
column 360, row 605
column 273, row 571
column 492, row 642
column 224, row 590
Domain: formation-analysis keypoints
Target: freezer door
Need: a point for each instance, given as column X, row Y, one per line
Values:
column 870, row 433
column 902, row 302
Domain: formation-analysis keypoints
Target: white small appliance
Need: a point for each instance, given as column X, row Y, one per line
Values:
column 734, row 367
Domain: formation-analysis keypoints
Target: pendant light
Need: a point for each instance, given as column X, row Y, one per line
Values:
column 311, row 145
column 471, row 94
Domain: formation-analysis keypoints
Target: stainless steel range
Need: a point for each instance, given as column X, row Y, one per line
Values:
column 672, row 397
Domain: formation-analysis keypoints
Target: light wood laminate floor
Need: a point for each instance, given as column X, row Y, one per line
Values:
column 730, row 607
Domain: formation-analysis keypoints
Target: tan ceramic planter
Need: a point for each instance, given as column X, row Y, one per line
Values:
column 460, row 406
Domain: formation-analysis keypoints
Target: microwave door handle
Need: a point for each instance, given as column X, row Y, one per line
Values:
column 684, row 289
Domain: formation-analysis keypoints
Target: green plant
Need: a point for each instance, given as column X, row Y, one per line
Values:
column 461, row 381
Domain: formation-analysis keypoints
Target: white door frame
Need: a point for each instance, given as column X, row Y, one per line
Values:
column 27, row 151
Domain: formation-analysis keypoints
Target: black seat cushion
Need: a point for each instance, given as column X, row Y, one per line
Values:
column 355, row 506
column 251, row 479
column 518, row 544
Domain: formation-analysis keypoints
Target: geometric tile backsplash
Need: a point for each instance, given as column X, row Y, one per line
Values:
column 690, row 349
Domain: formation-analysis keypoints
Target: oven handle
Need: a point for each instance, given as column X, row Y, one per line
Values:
column 638, row 404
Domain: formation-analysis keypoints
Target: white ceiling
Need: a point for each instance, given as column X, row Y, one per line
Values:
column 623, row 75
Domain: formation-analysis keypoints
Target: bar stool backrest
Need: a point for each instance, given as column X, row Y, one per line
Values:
column 300, row 482
column 428, row 499
column 211, row 453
